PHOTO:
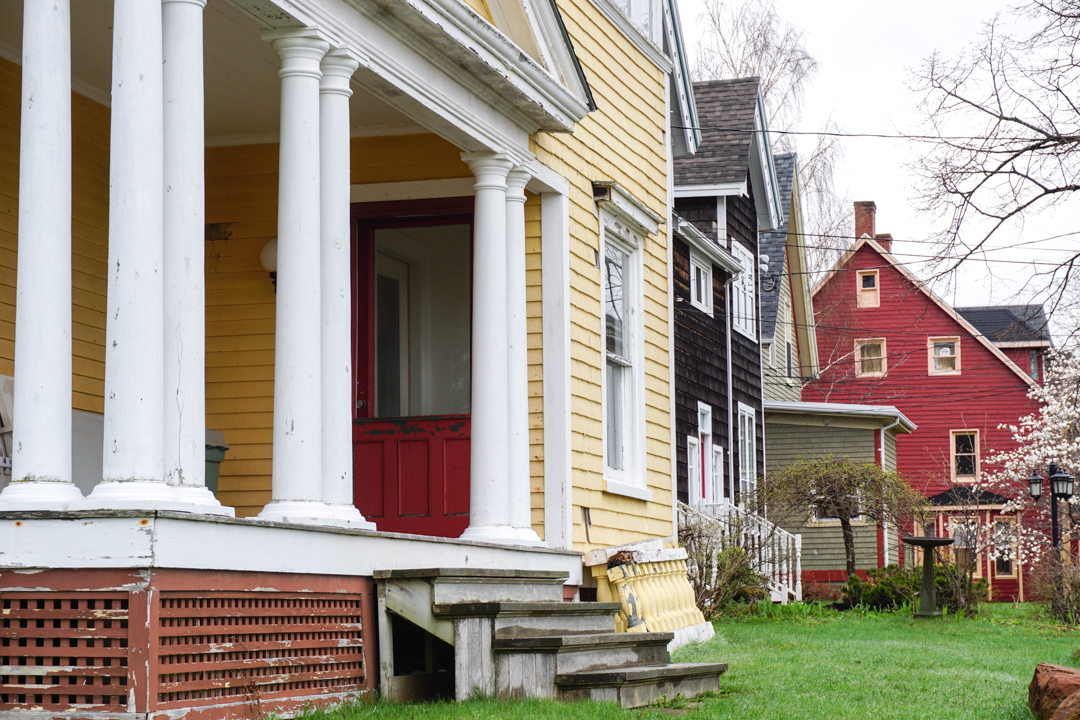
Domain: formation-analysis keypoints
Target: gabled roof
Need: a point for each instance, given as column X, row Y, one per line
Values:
column 726, row 111
column 1011, row 325
column 965, row 496
column 773, row 243
column 734, row 145
column 867, row 242
column 685, row 132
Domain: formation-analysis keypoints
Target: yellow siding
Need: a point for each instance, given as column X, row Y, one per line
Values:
column 534, row 296
column 622, row 141
column 90, row 224
column 241, row 194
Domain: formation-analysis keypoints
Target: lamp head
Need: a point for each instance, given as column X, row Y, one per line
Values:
column 1035, row 485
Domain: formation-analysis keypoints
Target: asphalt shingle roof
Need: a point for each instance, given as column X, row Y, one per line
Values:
column 1009, row 323
column 724, row 154
column 965, row 496
column 772, row 243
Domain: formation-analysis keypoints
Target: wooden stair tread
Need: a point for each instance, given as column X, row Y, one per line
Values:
column 581, row 641
column 640, row 674
column 488, row 609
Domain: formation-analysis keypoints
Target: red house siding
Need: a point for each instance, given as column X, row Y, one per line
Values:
column 985, row 394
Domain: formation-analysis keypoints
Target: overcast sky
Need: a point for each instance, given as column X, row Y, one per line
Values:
column 865, row 52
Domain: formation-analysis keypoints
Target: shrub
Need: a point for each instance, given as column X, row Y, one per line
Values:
column 813, row 591
column 1057, row 581
column 721, row 573
column 893, row 587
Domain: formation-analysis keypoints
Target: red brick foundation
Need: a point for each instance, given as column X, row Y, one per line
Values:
column 187, row 643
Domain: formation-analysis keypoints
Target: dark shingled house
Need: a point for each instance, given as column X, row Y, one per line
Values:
column 1022, row 332
column 724, row 196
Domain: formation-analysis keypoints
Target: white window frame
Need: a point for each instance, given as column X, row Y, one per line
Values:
column 747, row 429
column 931, row 357
column 868, row 297
column 700, row 263
column 700, row 469
column 858, row 357
column 952, row 457
column 631, row 478
column 717, row 484
column 693, row 468
column 1014, row 522
column 744, row 294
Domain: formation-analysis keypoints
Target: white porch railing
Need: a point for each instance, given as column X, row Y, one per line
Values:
column 773, row 551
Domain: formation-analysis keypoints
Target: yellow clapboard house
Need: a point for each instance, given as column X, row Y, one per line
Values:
column 409, row 261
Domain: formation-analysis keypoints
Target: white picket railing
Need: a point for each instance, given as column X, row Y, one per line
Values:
column 774, row 552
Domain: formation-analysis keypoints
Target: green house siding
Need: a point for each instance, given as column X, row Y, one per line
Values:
column 789, row 438
column 786, row 444
column 778, row 386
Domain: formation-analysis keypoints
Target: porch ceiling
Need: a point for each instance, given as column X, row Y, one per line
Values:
column 243, row 92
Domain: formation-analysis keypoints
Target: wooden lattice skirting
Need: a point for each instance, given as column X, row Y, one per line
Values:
column 182, row 643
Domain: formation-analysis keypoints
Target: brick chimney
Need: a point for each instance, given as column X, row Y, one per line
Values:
column 885, row 241
column 865, row 211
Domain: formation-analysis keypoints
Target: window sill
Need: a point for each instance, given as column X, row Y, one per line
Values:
column 620, row 488
column 833, row 523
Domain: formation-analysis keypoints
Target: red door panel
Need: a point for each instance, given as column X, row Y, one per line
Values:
column 412, row 475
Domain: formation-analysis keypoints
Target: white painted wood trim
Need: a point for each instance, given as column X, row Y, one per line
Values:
column 717, row 189
column 624, row 207
column 558, row 420
column 701, row 242
column 620, row 488
column 132, row 539
column 412, row 190
column 634, row 34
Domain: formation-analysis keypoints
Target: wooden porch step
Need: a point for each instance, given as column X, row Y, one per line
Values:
column 638, row 686
column 595, row 651
column 479, row 585
column 536, row 619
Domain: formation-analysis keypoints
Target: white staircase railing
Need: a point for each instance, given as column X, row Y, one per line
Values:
column 773, row 551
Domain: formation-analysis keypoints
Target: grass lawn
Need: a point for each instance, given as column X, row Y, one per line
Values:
column 834, row 667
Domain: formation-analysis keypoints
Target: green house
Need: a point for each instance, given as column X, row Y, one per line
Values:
column 866, row 433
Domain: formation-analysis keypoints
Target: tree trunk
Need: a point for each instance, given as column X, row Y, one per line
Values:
column 849, row 545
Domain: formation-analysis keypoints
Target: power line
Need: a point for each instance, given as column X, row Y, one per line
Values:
column 880, row 136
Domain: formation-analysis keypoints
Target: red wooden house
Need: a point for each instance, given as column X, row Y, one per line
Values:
column 885, row 338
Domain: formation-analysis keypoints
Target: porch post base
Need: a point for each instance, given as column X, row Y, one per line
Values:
column 313, row 512
column 501, row 534
column 200, row 500
column 132, row 495
column 39, row 495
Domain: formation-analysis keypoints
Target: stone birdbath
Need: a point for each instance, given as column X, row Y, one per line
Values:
column 928, row 597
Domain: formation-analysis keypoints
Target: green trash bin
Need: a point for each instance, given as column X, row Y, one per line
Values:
column 215, row 453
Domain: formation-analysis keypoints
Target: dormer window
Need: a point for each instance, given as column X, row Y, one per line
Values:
column 867, row 289
column 944, row 356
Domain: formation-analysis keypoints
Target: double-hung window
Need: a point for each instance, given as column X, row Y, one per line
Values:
column 701, row 291
column 964, row 455
column 1005, row 547
column 747, row 454
column 868, row 294
column 870, row 359
column 743, row 295
column 943, row 355
column 619, row 351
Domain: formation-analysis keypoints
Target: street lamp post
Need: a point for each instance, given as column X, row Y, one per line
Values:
column 1061, row 487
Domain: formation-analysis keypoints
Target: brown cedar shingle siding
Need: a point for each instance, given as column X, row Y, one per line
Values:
column 726, row 112
column 700, row 362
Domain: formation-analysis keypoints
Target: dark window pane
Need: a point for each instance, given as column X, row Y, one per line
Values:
column 965, row 444
column 869, row 282
column 965, row 464
column 388, row 346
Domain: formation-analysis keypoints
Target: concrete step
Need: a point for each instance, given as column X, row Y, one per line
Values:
column 514, row 619
column 475, row 585
column 528, row 666
column 596, row 651
column 638, row 686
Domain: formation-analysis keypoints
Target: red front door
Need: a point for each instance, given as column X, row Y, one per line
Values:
column 412, row 339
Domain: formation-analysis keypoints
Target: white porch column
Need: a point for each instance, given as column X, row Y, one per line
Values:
column 41, row 472
column 133, row 468
column 184, row 293
column 337, row 447
column 520, row 490
column 489, row 490
column 297, row 469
